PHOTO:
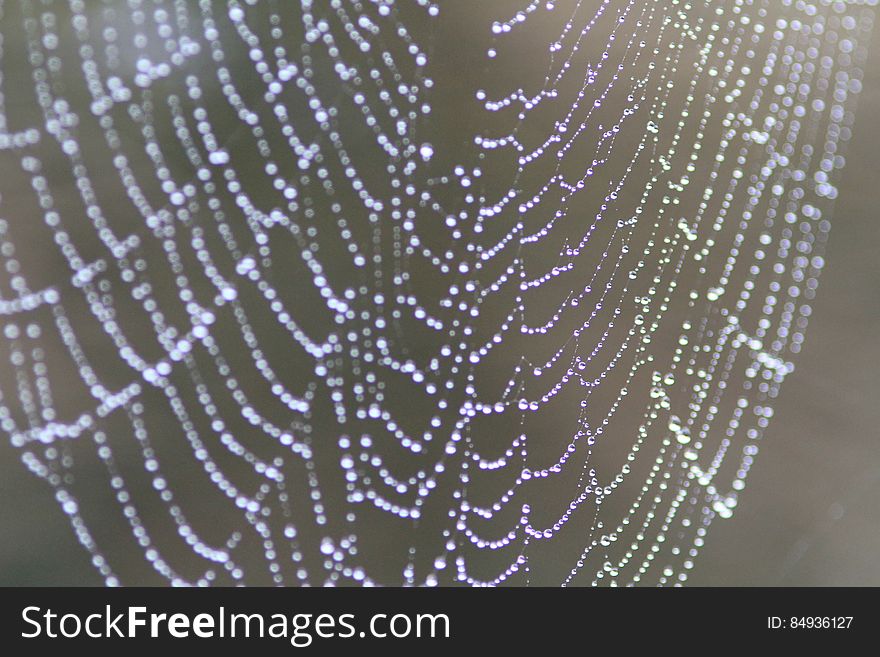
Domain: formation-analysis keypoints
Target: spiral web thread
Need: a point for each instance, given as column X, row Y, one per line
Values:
column 350, row 292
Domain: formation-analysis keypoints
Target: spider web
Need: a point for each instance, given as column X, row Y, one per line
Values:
column 349, row 292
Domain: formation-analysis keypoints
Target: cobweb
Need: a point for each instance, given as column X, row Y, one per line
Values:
column 375, row 292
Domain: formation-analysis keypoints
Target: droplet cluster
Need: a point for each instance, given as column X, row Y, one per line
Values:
column 291, row 295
